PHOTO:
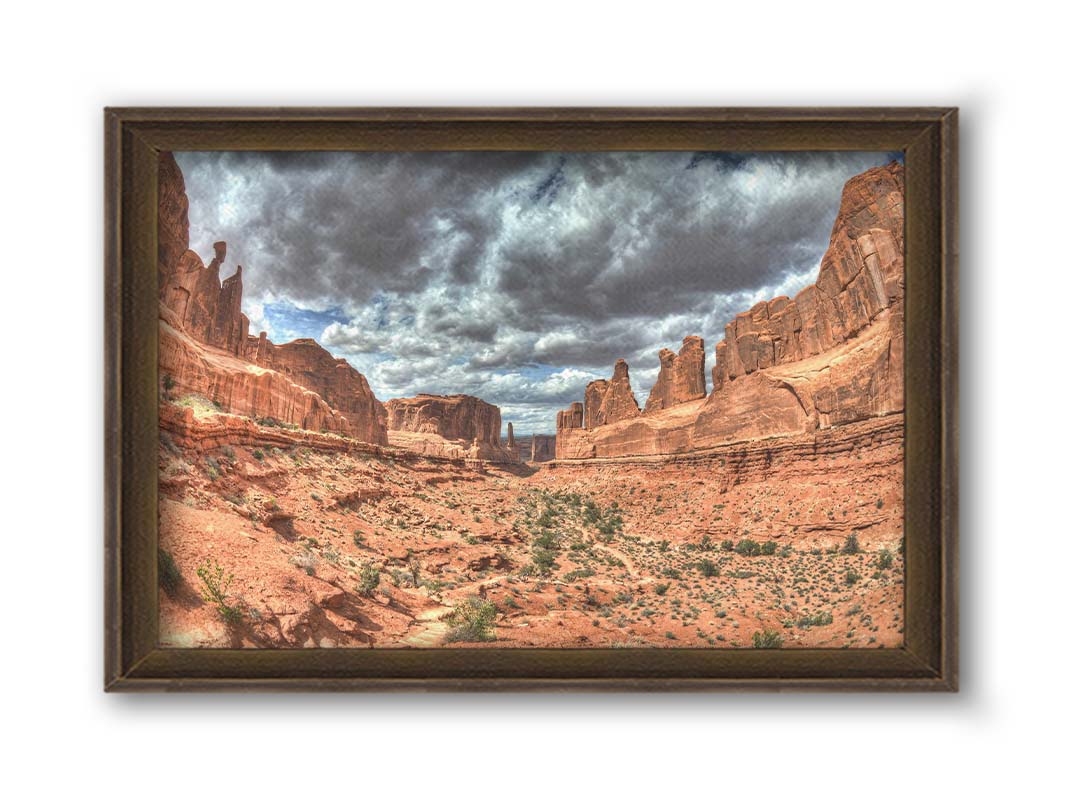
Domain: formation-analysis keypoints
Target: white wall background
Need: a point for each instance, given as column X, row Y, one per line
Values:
column 1001, row 734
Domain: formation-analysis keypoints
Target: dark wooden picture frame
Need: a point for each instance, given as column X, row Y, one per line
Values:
column 135, row 136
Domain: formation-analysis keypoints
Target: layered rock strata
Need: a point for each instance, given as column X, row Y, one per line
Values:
column 205, row 348
column 453, row 421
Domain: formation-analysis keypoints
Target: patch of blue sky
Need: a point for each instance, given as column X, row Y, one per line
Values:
column 288, row 321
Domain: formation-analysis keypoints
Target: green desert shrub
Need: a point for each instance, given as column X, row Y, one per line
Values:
column 472, row 621
column 708, row 568
column 885, row 559
column 369, row 578
column 814, row 620
column 214, row 588
column 766, row 640
column 852, row 545
column 747, row 547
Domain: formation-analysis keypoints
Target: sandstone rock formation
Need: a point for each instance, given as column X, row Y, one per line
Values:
column 832, row 356
column 542, row 448
column 457, row 417
column 861, row 275
column 239, row 387
column 453, row 426
column 681, row 376
column 208, row 308
column 205, row 348
column 610, row 401
column 511, row 437
column 306, row 362
column 570, row 417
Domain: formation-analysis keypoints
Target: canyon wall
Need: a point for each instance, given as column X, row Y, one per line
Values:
column 208, row 308
column 455, row 417
column 205, row 348
column 861, row 275
column 542, row 448
column 306, row 362
column 831, row 356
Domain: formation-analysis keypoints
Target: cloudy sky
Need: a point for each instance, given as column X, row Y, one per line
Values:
column 515, row 277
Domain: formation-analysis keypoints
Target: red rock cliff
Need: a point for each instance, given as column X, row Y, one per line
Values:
column 610, row 401
column 681, row 376
column 306, row 362
column 205, row 347
column 454, row 417
column 205, row 306
column 569, row 417
column 861, row 275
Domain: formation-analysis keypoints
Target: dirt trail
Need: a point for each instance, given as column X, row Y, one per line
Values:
column 619, row 555
column 429, row 629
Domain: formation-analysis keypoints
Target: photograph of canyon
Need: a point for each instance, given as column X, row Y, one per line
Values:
column 531, row 399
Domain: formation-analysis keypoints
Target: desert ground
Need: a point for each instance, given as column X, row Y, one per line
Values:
column 380, row 547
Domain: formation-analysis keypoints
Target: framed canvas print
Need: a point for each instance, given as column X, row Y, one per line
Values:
column 531, row 399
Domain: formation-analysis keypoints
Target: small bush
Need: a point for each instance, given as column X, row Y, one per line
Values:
column 472, row 621
column 727, row 545
column 747, row 547
column 215, row 584
column 852, row 545
column 885, row 559
column 544, row 561
column 170, row 578
column 813, row 620
column 369, row 578
column 768, row 548
column 852, row 577
column 661, row 588
column 257, row 455
column 766, row 640
column 708, row 568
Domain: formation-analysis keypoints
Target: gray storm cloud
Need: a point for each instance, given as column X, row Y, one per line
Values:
column 517, row 277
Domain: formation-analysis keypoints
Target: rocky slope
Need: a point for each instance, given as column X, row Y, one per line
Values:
column 205, row 349
column 832, row 356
